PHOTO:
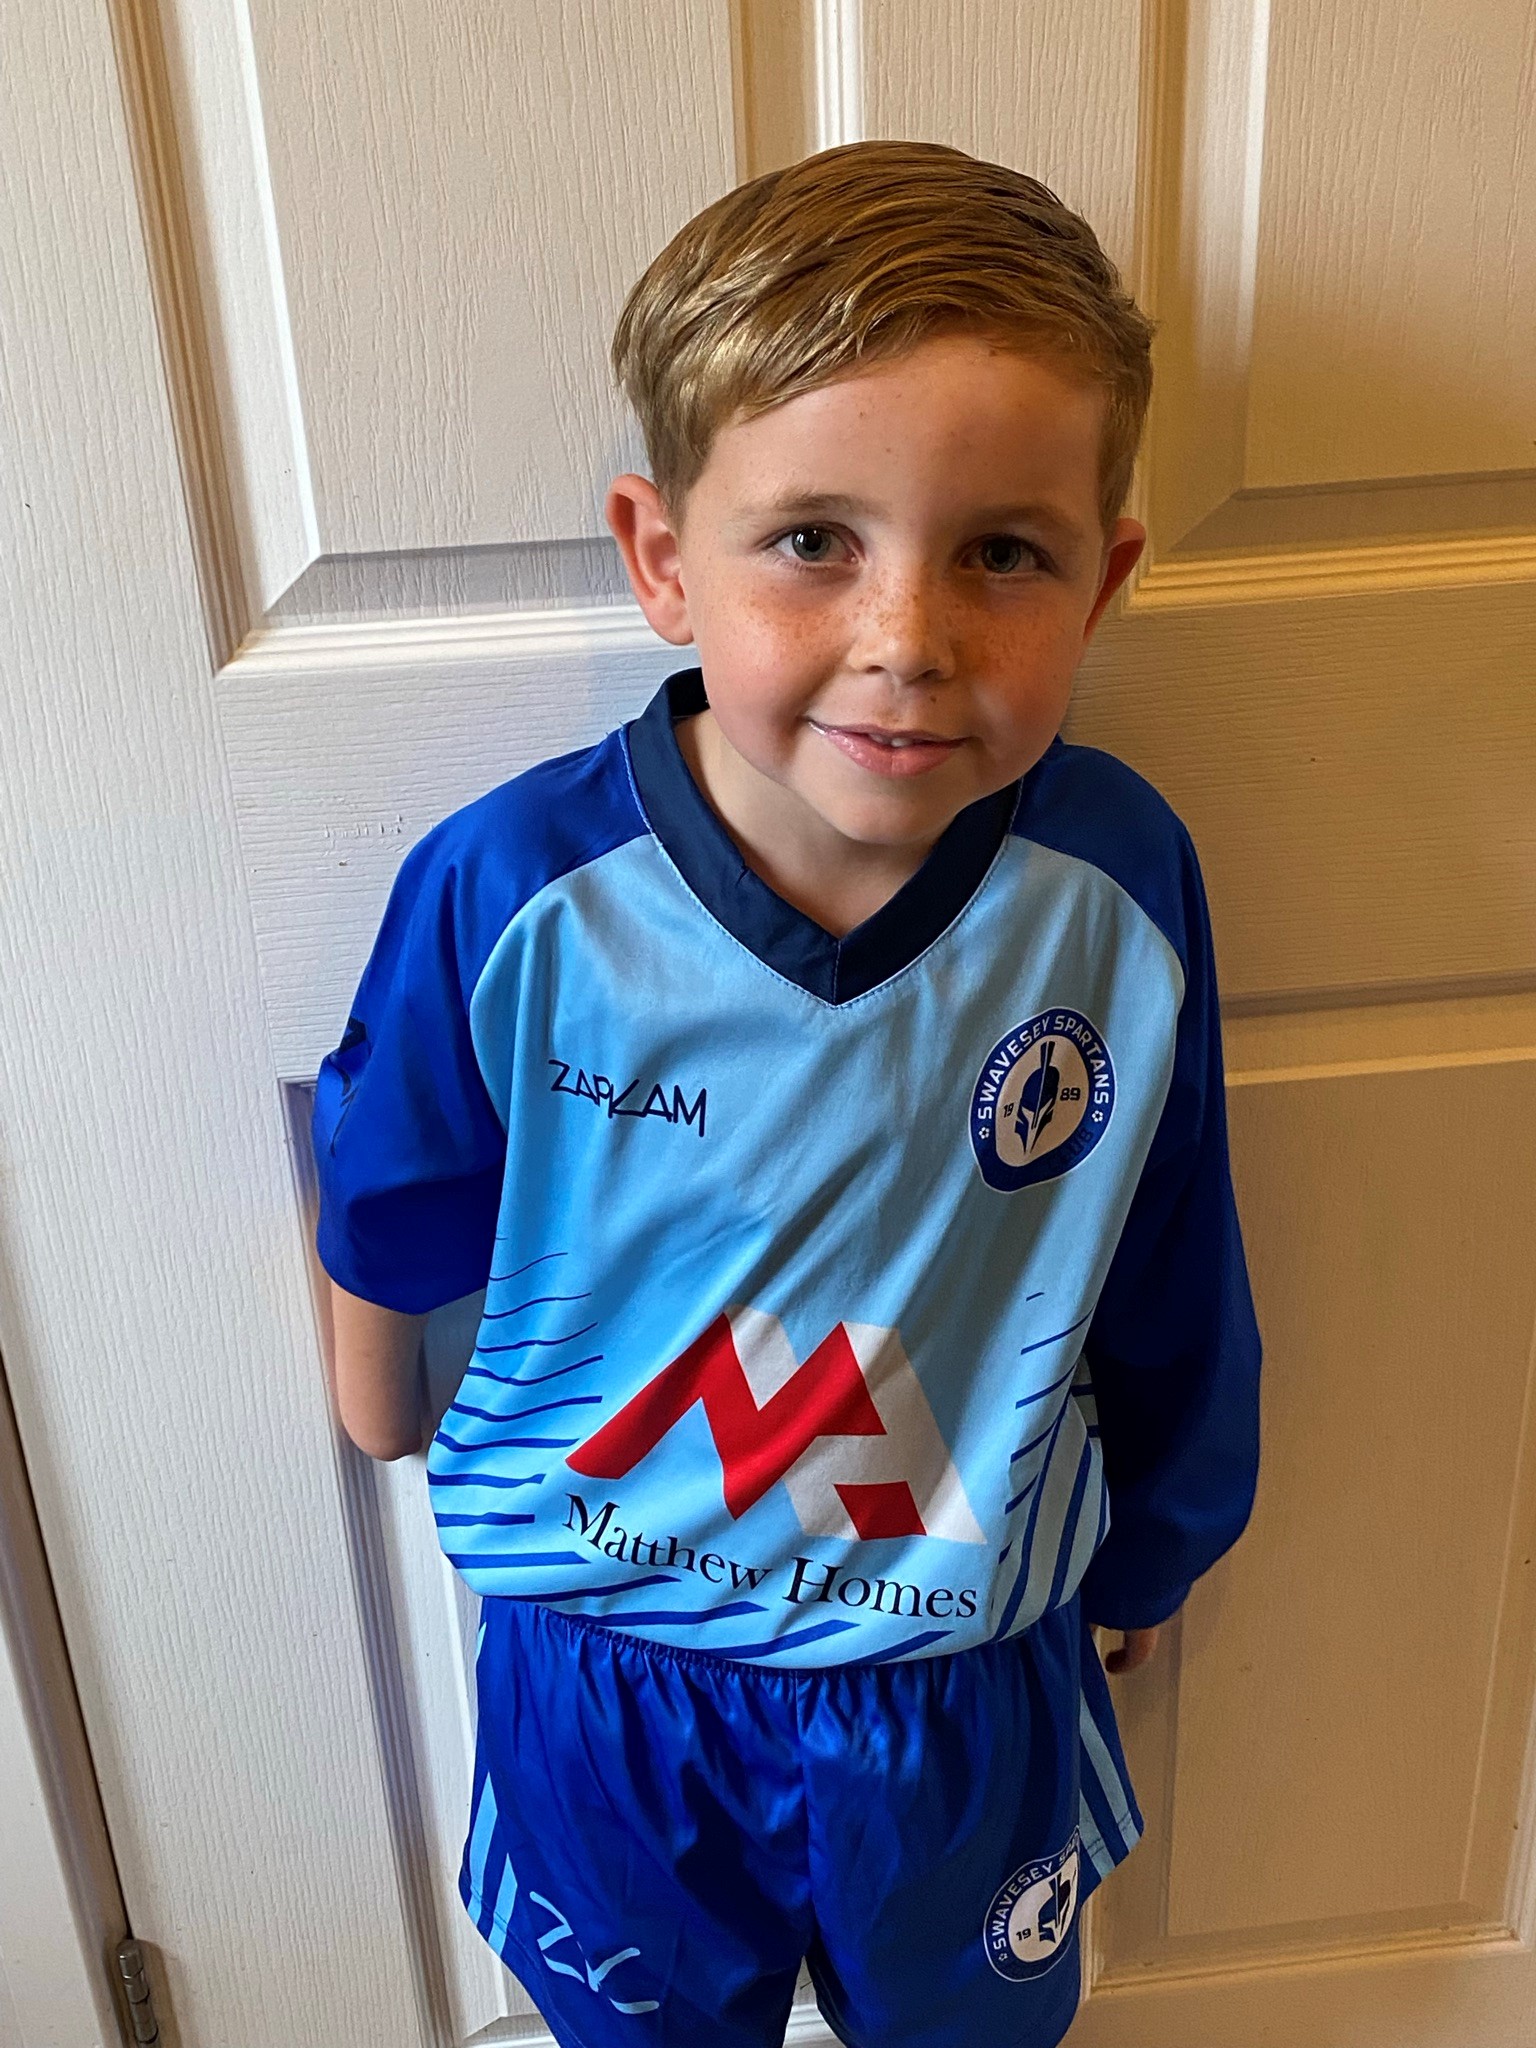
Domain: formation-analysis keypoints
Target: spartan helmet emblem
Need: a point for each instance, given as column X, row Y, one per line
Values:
column 1042, row 1916
column 1027, row 1927
column 1037, row 1098
column 1043, row 1100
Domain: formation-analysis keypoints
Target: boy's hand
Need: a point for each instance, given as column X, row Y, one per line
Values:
column 1136, row 1646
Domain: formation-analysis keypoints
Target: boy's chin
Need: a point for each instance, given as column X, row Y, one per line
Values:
column 887, row 825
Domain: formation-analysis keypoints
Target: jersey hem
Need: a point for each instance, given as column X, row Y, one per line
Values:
column 717, row 1660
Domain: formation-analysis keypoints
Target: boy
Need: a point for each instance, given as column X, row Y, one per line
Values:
column 822, row 1075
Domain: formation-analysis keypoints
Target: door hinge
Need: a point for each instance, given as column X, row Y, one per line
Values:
column 134, row 1979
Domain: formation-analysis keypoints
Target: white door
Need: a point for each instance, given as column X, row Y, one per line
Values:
column 304, row 427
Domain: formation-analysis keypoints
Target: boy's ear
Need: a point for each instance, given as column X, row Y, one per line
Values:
column 639, row 523
column 1122, row 551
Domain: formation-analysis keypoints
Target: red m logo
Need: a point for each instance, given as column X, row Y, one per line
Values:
column 850, row 1430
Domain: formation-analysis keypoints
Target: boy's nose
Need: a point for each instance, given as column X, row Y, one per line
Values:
column 904, row 629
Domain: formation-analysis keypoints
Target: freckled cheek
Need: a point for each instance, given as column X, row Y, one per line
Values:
column 1030, row 685
column 1040, row 653
column 755, row 637
column 773, row 623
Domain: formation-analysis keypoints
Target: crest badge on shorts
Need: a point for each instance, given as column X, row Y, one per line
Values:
column 1027, row 1924
column 1042, row 1101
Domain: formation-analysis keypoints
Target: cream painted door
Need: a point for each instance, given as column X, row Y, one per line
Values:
column 305, row 427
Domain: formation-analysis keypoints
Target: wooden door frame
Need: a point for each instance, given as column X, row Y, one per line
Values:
column 61, row 1907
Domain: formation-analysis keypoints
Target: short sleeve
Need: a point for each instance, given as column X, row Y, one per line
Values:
column 1173, row 1349
column 409, row 1150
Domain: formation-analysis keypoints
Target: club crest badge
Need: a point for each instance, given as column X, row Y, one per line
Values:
column 1042, row 1101
column 1027, row 1924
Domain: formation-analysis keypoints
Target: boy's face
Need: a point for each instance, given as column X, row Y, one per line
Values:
column 890, row 581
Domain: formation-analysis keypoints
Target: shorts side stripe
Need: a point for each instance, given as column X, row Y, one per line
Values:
column 506, row 1896
column 1106, row 1782
column 1093, row 1841
column 1105, row 1826
column 479, row 1847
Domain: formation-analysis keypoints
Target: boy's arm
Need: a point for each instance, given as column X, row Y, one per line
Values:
column 409, row 1152
column 378, row 1375
column 1173, row 1350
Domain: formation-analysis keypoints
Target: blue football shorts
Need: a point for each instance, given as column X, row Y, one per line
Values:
column 658, row 1836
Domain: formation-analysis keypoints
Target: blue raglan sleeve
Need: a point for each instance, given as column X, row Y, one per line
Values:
column 1173, row 1349
column 409, row 1150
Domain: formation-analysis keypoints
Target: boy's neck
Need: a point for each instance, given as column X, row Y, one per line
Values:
column 833, row 880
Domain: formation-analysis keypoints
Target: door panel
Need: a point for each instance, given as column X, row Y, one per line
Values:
column 1339, row 1764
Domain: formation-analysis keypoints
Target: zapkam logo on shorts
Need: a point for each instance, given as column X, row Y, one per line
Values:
column 850, row 1432
column 1042, row 1101
column 1027, row 1924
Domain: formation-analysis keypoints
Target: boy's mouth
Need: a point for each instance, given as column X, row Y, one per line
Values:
column 888, row 750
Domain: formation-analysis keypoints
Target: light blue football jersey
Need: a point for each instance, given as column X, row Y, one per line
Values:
column 845, row 1300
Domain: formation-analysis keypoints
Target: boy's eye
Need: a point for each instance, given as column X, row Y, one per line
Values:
column 1015, row 553
column 810, row 543
column 1001, row 554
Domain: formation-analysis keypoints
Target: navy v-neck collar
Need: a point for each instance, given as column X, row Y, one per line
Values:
column 781, row 936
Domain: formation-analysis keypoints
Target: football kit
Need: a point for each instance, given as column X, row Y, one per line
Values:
column 848, row 1304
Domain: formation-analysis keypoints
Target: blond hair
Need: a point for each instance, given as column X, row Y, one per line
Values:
column 854, row 256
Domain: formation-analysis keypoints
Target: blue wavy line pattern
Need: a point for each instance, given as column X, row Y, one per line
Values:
column 534, row 1301
column 536, row 1343
column 513, row 1561
column 479, row 1521
column 508, row 1443
column 597, row 1592
column 1041, row 1342
column 537, row 1379
column 482, row 1479
column 687, row 1617
column 792, row 1641
column 906, row 1647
